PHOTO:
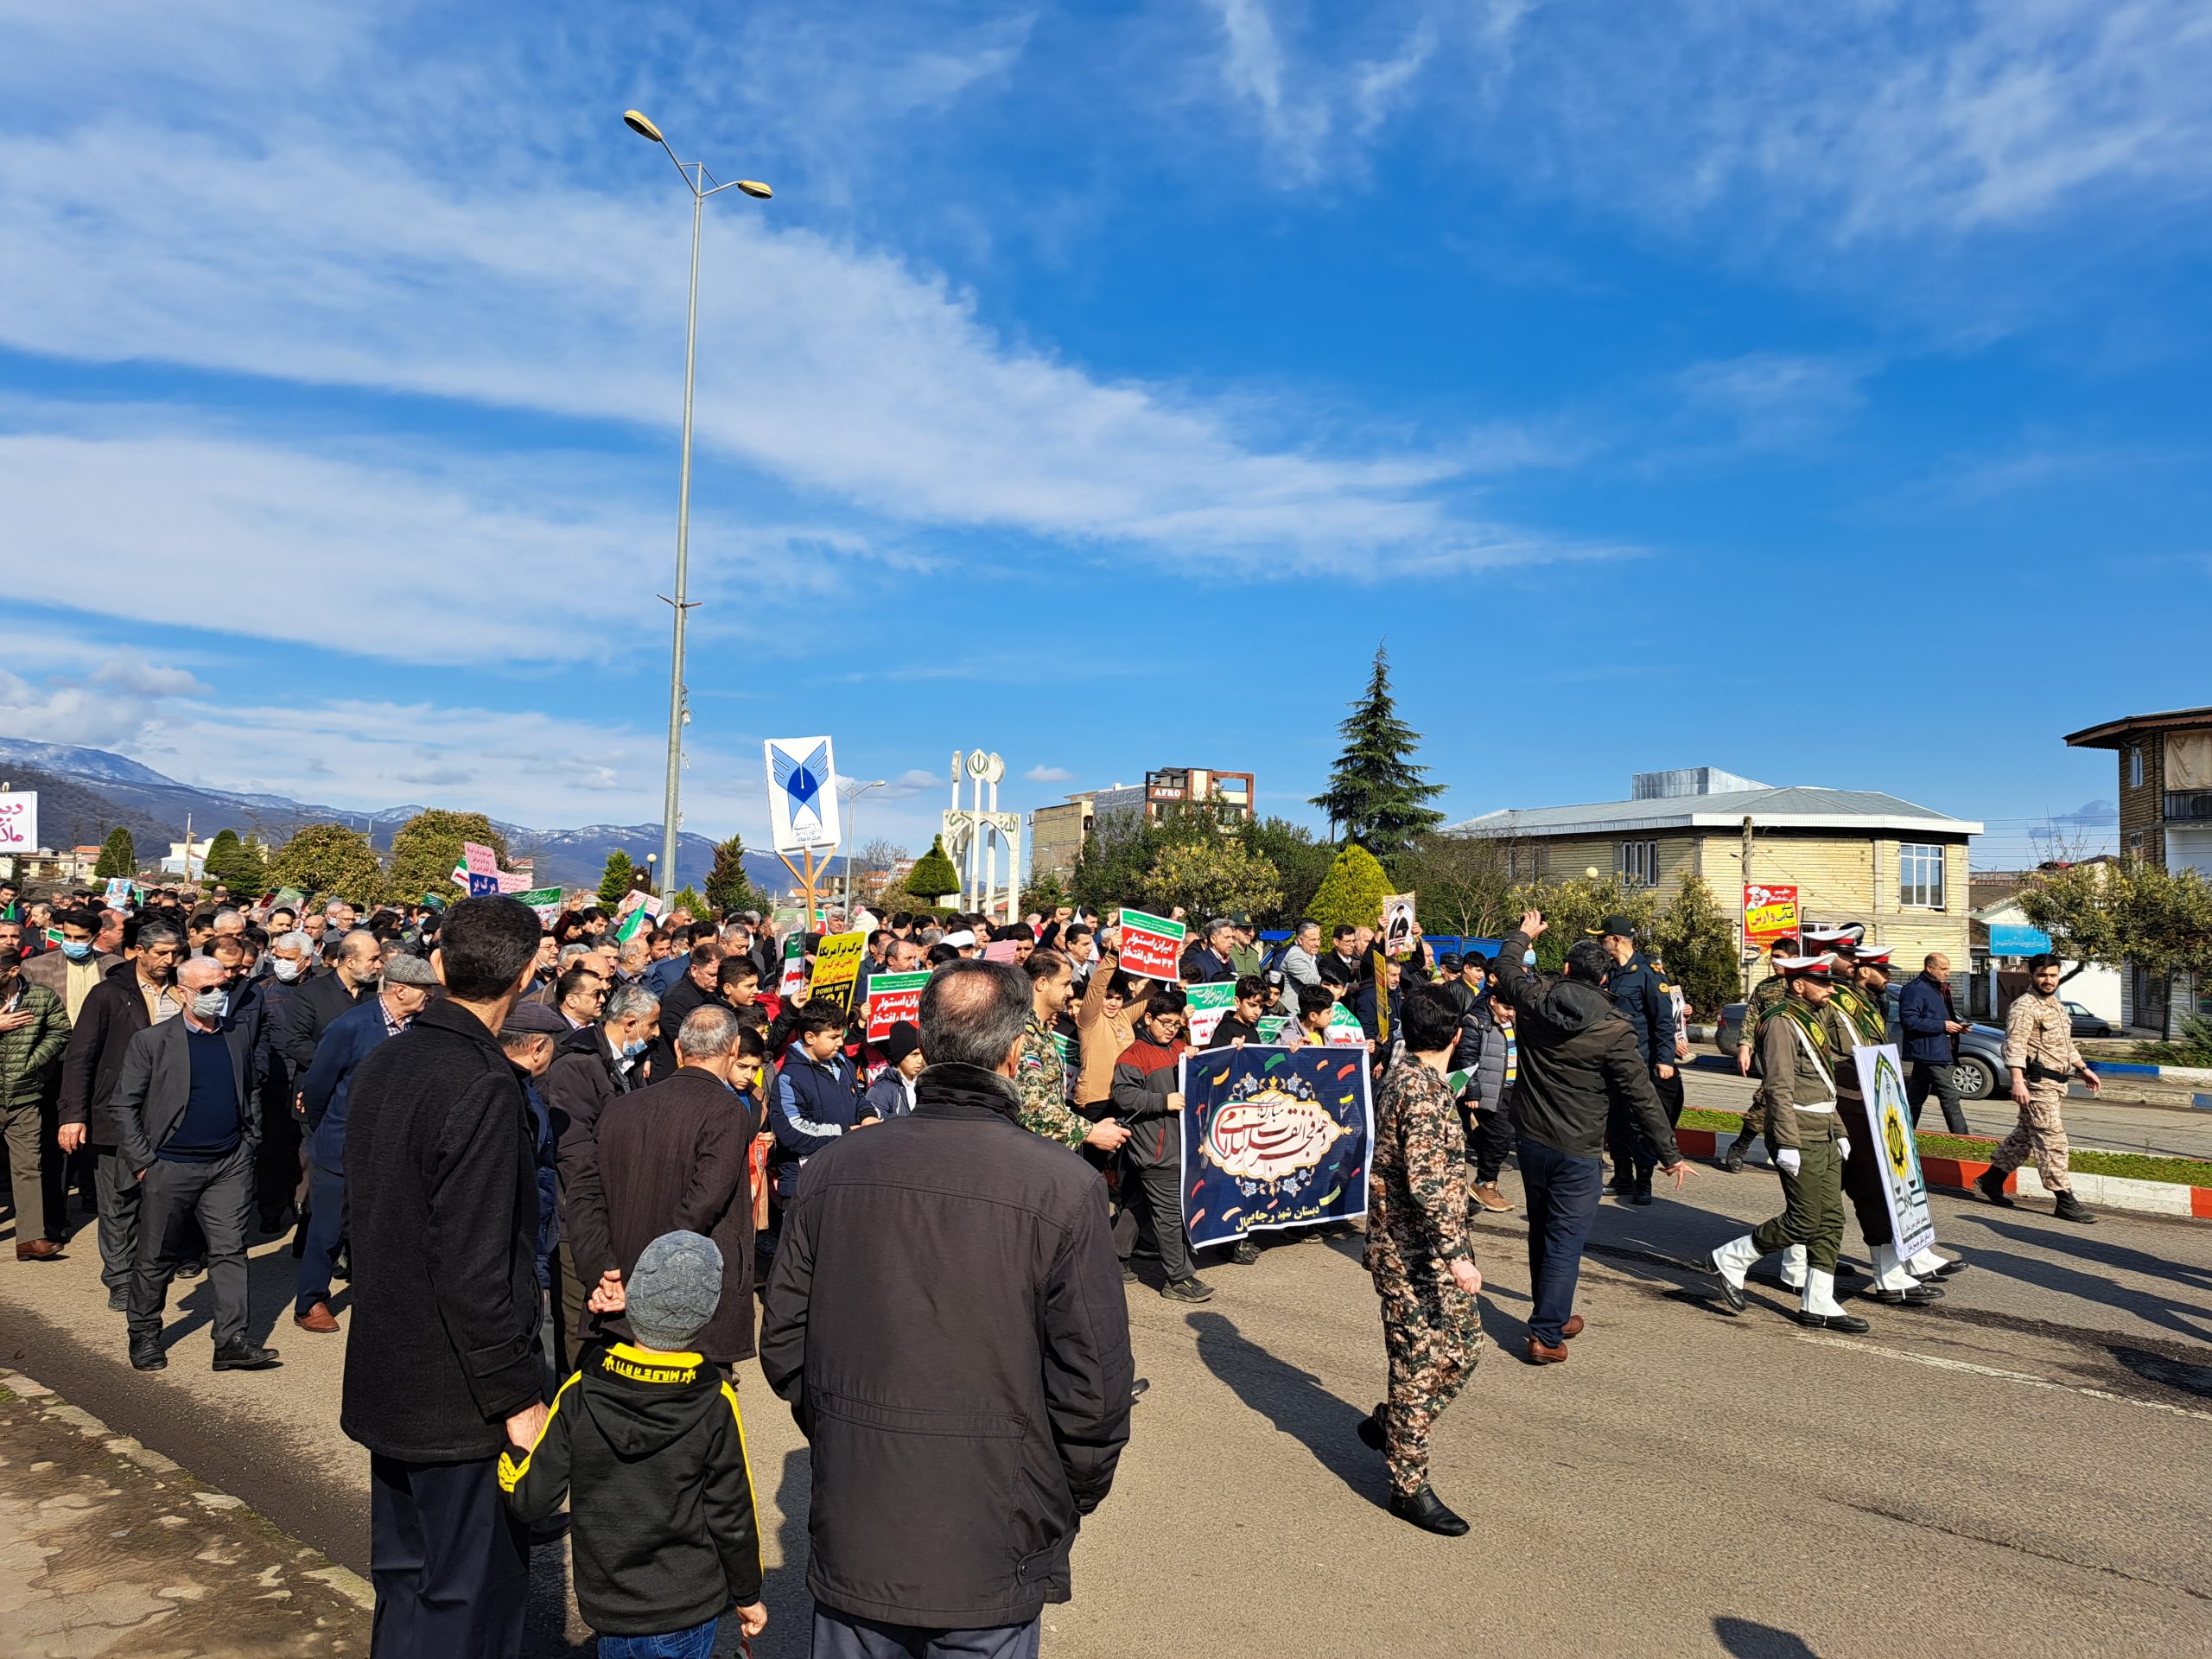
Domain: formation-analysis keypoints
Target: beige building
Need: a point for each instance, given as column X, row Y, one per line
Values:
column 1853, row 855
column 1057, row 833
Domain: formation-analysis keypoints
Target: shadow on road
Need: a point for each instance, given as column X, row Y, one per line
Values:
column 1748, row 1639
column 2162, row 1312
column 1294, row 1401
column 2077, row 1241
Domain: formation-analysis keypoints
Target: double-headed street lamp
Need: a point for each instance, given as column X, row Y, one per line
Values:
column 695, row 176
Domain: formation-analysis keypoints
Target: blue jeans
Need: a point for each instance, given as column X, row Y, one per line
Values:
column 1562, row 1195
column 697, row 1643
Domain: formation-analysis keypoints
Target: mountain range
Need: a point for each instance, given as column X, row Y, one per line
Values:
column 83, row 793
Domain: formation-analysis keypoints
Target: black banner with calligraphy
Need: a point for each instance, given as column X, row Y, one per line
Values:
column 1274, row 1138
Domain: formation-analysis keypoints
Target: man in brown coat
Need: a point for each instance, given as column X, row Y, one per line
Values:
column 672, row 1158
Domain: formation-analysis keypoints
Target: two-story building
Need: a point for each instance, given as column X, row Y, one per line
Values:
column 1853, row 855
column 1056, row 834
column 2166, row 818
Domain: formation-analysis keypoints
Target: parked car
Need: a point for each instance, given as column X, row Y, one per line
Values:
column 1980, row 1068
column 2089, row 1025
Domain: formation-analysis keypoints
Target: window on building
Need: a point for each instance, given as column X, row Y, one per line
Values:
column 1920, row 876
column 2135, row 843
column 2135, row 766
column 1638, row 863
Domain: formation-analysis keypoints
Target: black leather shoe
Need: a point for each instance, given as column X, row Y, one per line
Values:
column 1991, row 1185
column 1426, row 1510
column 1244, row 1252
column 1370, row 1430
column 1850, row 1325
column 146, row 1354
column 1731, row 1294
column 1732, row 1161
column 1936, row 1276
column 1642, row 1195
column 1918, row 1296
column 118, row 1301
column 245, row 1357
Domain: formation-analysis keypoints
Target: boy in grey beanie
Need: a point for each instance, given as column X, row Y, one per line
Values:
column 647, row 1442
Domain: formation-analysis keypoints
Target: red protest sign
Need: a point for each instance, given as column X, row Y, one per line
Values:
column 1151, row 946
column 891, row 998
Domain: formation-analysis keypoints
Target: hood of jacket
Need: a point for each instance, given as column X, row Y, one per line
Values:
column 1569, row 1005
column 642, row 1402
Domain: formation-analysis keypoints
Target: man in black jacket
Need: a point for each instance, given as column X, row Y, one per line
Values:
column 1575, row 1054
column 592, row 1068
column 442, row 1368
column 116, row 1010
column 998, row 1413
column 322, row 998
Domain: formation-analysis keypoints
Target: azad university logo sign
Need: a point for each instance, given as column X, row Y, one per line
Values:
column 801, row 794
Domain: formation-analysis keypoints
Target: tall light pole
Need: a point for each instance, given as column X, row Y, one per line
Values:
column 852, row 789
column 695, row 176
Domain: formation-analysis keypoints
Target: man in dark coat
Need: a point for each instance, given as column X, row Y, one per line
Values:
column 673, row 1157
column 1641, row 997
column 324, row 997
column 1575, row 1054
column 278, row 1184
column 701, row 976
column 442, row 1368
column 117, row 1009
column 995, row 1415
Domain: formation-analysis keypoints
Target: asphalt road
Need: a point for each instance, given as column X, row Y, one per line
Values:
column 2016, row 1471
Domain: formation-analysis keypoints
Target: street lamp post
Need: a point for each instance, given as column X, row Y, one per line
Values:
column 695, row 176
column 852, row 789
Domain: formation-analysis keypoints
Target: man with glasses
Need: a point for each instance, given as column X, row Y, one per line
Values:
column 126, row 1002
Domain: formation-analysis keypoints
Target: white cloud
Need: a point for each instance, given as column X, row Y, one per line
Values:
column 1049, row 775
column 915, row 781
column 308, row 248
column 1772, row 400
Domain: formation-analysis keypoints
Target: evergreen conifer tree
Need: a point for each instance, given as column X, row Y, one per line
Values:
column 1377, row 795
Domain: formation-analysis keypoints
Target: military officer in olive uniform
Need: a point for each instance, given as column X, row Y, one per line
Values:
column 1801, row 1041
column 1768, row 992
column 1419, row 1254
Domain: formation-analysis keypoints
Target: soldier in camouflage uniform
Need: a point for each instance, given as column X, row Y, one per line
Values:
column 1041, row 1072
column 1419, row 1252
column 1764, row 997
column 1802, row 1041
column 2039, row 1051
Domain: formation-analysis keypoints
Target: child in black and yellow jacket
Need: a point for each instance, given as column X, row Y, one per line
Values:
column 646, row 1441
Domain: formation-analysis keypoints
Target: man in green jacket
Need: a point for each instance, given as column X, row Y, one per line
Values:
column 33, row 1030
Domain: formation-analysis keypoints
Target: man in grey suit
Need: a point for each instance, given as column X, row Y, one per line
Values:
column 185, row 1131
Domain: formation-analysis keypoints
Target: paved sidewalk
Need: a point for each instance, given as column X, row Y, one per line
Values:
column 108, row 1547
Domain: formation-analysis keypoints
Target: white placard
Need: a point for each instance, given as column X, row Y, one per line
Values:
column 801, row 794
column 18, row 822
column 1889, row 1142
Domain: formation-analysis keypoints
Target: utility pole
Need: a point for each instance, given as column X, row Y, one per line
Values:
column 1743, row 954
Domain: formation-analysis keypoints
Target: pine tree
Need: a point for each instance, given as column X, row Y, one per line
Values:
column 119, row 855
column 728, row 885
column 1352, row 892
column 689, row 899
column 1696, row 939
column 237, row 864
column 619, row 877
column 933, row 875
column 1375, row 792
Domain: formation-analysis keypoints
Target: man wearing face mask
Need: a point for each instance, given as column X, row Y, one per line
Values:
column 72, row 972
column 592, row 1068
column 408, row 984
column 673, row 1157
column 323, row 997
column 131, row 999
column 278, row 1184
column 185, row 1131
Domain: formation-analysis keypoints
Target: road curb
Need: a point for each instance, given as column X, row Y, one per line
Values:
column 48, row 1404
column 2179, row 1078
column 1959, row 1174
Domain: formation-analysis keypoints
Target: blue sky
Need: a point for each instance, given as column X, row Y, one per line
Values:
column 1102, row 385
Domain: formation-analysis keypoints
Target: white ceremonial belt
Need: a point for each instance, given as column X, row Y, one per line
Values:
column 1823, row 1106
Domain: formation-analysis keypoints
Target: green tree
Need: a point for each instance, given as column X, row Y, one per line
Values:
column 1351, row 894
column 425, row 848
column 1210, row 877
column 1301, row 860
column 1696, row 938
column 1046, row 891
column 689, row 898
column 619, row 877
column 1462, row 884
column 119, row 855
column 1110, row 869
column 1572, row 908
column 329, row 861
column 2122, row 912
column 728, row 886
column 1377, row 795
column 238, row 865
column 933, row 876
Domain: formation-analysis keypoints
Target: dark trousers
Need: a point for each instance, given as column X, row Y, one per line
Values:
column 277, row 1169
column 179, row 1204
column 116, row 1184
column 1562, row 1194
column 1634, row 1155
column 1156, row 1196
column 1862, row 1173
column 845, row 1636
column 1493, row 1140
column 1941, row 1081
column 1812, row 1206
column 326, row 1229
column 451, row 1565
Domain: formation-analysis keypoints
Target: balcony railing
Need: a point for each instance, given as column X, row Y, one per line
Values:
column 2188, row 805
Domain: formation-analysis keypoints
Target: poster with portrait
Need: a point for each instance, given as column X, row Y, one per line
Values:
column 1273, row 1139
column 1888, row 1140
column 1398, row 925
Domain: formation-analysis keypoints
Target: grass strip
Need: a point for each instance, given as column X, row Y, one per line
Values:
column 2128, row 1166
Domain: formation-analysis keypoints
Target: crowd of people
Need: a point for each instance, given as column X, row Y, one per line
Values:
column 573, row 1167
